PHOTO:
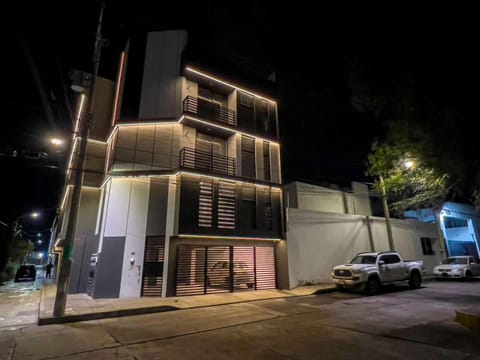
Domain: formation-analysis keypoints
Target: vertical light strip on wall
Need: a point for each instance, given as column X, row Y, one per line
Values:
column 79, row 114
column 117, row 91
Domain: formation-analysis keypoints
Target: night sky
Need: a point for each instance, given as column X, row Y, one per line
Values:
column 325, row 59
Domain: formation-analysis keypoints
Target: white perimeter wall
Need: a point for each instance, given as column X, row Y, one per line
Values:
column 317, row 241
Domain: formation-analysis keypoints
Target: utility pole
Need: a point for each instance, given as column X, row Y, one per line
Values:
column 86, row 121
column 387, row 215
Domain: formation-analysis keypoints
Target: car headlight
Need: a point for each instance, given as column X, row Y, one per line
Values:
column 357, row 272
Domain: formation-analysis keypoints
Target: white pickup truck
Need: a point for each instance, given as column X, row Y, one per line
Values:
column 368, row 271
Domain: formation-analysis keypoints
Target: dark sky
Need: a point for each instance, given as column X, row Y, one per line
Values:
column 315, row 50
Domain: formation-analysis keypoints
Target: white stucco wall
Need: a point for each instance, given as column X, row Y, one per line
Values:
column 131, row 283
column 317, row 241
column 125, row 216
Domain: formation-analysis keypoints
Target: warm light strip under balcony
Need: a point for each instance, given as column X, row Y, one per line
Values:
column 117, row 91
column 225, row 128
column 181, row 120
column 70, row 161
column 228, row 84
column 65, row 197
column 182, row 172
column 226, row 237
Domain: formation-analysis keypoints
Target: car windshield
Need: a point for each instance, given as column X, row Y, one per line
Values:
column 453, row 260
column 363, row 259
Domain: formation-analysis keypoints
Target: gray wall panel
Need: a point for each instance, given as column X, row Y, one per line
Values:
column 108, row 272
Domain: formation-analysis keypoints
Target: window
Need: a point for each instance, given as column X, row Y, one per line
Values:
column 268, row 211
column 248, row 156
column 248, row 213
column 266, row 161
column 427, row 246
column 452, row 222
column 390, row 259
column 246, row 100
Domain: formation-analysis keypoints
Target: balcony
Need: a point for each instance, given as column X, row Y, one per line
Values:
column 210, row 111
column 207, row 162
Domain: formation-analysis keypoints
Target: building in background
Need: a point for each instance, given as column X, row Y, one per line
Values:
column 182, row 192
column 460, row 225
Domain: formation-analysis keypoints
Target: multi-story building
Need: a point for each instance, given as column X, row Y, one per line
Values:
column 190, row 198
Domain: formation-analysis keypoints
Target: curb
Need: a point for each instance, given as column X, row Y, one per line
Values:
column 105, row 315
column 150, row 310
column 469, row 318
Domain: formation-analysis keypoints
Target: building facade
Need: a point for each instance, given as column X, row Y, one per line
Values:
column 459, row 223
column 189, row 197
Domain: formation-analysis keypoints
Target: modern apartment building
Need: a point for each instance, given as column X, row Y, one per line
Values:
column 182, row 190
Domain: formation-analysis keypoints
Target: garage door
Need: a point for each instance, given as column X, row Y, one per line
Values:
column 220, row 269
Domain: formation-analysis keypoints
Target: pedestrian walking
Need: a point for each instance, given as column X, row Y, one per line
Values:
column 49, row 270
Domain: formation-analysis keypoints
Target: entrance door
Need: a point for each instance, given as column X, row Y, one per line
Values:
column 153, row 266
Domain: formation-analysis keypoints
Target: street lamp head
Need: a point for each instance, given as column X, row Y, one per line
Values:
column 35, row 215
column 56, row 141
column 409, row 164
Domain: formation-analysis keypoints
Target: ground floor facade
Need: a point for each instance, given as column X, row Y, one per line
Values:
column 169, row 236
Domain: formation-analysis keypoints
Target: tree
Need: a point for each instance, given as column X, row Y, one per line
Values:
column 408, row 183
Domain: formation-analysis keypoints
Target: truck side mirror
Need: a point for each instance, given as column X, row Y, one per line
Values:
column 381, row 262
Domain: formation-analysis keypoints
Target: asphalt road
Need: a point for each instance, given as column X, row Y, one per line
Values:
column 397, row 324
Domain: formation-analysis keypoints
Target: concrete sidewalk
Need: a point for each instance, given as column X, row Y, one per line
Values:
column 81, row 307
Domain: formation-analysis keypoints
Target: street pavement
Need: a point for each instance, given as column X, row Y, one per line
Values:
column 398, row 324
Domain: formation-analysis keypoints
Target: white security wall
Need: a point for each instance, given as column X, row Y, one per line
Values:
column 317, row 241
column 319, row 198
column 125, row 217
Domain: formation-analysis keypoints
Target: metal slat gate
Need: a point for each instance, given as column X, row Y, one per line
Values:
column 219, row 269
column 153, row 266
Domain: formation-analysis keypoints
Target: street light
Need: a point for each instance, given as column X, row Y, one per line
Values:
column 56, row 141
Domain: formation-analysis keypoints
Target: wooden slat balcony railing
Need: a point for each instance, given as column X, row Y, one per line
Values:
column 209, row 111
column 206, row 161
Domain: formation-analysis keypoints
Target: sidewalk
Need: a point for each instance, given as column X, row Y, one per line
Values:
column 81, row 307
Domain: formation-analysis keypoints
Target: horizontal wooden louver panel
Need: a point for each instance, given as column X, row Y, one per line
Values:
column 265, row 268
column 226, row 205
column 205, row 206
column 243, row 268
column 218, row 269
column 190, row 270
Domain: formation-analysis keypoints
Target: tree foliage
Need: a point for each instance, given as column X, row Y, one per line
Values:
column 409, row 184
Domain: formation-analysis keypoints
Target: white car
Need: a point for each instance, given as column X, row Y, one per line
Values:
column 460, row 267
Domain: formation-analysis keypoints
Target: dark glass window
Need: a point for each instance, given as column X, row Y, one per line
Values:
column 248, row 213
column 248, row 156
column 266, row 161
column 427, row 246
column 452, row 222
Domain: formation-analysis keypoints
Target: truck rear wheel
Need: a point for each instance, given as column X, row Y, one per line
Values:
column 415, row 280
column 373, row 286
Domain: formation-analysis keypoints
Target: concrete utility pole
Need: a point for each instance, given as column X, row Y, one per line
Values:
column 387, row 215
column 86, row 121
